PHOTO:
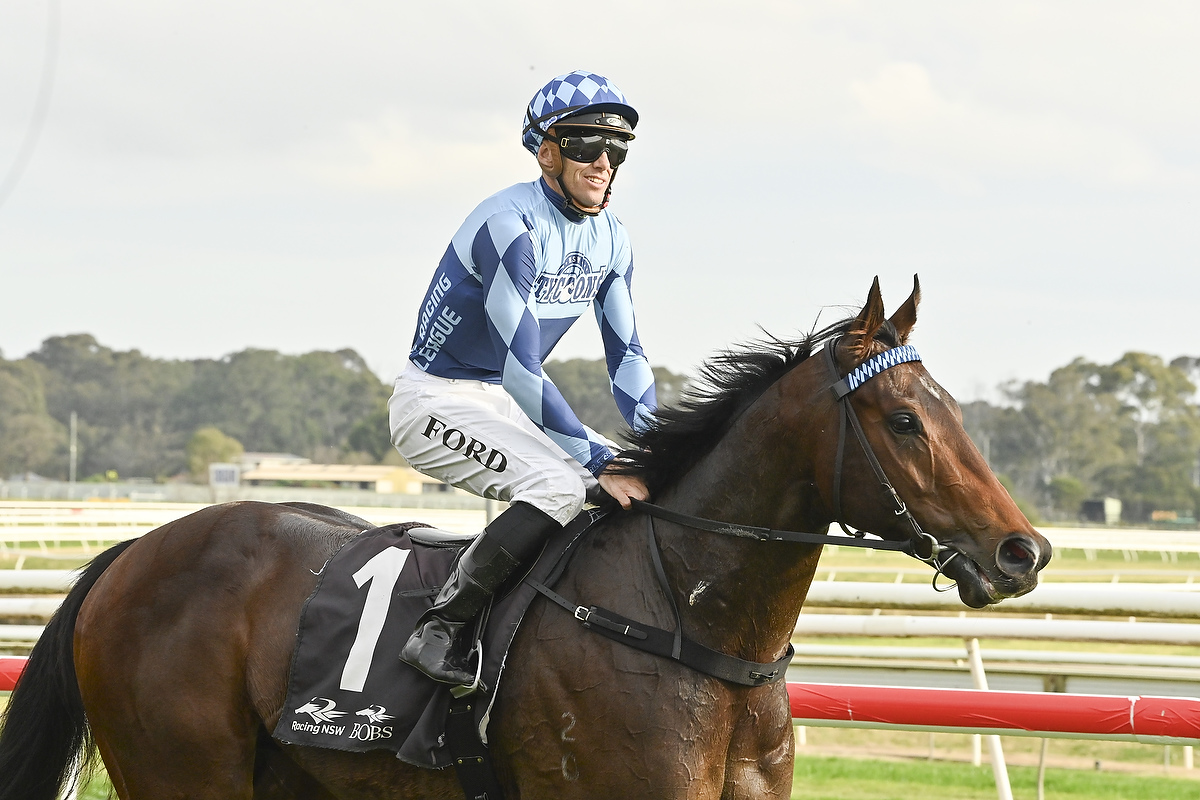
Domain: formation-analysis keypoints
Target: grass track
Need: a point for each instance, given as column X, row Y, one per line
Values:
column 843, row 778
column 823, row 778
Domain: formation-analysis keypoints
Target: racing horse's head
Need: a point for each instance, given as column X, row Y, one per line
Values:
column 946, row 499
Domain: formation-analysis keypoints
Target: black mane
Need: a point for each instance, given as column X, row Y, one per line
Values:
column 679, row 435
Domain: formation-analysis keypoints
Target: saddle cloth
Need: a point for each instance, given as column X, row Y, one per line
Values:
column 347, row 688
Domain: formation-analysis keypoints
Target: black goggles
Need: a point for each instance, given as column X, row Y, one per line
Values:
column 587, row 147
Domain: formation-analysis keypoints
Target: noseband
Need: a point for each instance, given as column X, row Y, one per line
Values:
column 920, row 544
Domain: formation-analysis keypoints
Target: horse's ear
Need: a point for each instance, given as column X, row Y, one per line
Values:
column 906, row 315
column 870, row 319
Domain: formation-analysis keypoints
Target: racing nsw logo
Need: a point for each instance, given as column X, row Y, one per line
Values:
column 321, row 709
column 577, row 281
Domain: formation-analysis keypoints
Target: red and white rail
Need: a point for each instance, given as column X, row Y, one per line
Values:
column 1149, row 720
column 10, row 670
column 1152, row 720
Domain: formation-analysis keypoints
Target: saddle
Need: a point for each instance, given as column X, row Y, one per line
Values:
column 367, row 601
column 348, row 690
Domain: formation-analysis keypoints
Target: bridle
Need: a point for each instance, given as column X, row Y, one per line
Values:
column 920, row 544
column 672, row 643
column 923, row 546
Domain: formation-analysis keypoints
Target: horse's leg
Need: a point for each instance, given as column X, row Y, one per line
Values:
column 165, row 719
column 762, row 750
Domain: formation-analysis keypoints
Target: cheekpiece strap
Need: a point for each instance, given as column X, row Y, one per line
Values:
column 873, row 366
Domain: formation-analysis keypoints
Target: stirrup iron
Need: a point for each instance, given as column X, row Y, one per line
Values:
column 477, row 684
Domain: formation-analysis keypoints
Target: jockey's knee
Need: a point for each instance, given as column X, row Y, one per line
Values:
column 560, row 497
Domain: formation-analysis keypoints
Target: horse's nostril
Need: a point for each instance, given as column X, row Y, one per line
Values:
column 1017, row 557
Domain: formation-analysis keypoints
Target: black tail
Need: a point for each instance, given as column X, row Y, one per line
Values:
column 45, row 732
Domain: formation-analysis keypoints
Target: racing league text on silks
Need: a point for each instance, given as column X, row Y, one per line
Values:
column 443, row 325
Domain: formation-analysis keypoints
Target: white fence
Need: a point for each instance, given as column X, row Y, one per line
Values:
column 50, row 524
column 1105, row 599
column 1162, row 601
column 1124, row 539
column 1176, row 633
column 907, row 709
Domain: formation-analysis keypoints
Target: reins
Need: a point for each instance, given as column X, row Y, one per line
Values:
column 670, row 644
column 920, row 544
column 766, row 534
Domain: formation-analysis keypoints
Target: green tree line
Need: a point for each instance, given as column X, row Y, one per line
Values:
column 1129, row 430
column 158, row 418
column 137, row 414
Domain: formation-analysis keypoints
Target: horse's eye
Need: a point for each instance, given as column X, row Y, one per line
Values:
column 905, row 422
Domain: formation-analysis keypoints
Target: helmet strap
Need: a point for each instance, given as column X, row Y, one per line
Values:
column 608, row 191
column 572, row 204
column 575, row 206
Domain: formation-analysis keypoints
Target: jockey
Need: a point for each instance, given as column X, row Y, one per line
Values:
column 473, row 406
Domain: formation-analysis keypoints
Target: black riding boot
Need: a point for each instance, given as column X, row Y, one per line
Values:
column 512, row 538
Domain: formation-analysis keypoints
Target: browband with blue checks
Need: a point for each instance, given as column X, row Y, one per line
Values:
column 873, row 366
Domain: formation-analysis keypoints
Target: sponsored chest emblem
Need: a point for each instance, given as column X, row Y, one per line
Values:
column 577, row 281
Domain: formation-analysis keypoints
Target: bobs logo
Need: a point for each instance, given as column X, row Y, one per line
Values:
column 576, row 282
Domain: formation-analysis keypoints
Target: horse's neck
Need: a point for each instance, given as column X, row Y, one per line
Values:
column 746, row 594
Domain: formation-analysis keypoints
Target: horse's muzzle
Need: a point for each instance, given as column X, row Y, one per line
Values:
column 1020, row 556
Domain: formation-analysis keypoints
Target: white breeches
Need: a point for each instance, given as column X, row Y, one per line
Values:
column 474, row 436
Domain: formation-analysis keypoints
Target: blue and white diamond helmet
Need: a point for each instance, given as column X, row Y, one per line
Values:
column 568, row 95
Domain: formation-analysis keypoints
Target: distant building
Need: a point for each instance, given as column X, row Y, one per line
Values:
column 253, row 460
column 1107, row 510
column 367, row 477
column 27, row 477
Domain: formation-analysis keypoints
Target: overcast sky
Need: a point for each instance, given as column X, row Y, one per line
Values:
column 285, row 175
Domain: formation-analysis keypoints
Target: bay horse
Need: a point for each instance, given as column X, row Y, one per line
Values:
column 171, row 653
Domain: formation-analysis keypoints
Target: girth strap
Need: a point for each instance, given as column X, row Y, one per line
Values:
column 662, row 643
column 670, row 644
column 472, row 762
column 656, row 555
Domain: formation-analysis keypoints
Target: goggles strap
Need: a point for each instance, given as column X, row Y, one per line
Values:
column 536, row 122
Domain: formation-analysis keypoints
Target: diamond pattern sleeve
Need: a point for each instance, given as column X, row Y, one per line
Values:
column 504, row 252
column 629, row 372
